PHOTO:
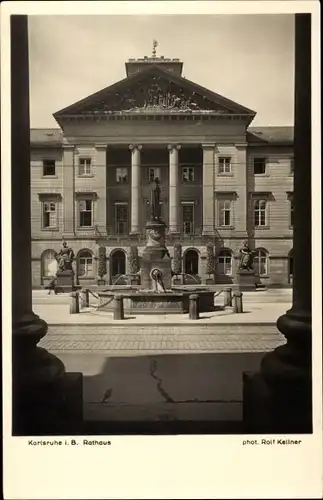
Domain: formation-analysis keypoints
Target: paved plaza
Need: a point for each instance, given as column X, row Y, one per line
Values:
column 162, row 367
column 221, row 331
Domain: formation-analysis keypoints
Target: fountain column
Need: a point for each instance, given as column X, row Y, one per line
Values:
column 135, row 187
column 173, row 187
column 279, row 398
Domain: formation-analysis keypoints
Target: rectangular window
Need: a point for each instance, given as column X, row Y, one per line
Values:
column 260, row 263
column 224, row 212
column 187, row 174
column 86, row 215
column 291, row 212
column 153, row 173
column 85, row 266
column 49, row 263
column 85, row 166
column 259, row 166
column 49, row 168
column 49, row 214
column 260, row 213
column 224, row 265
column 121, row 175
column 224, row 165
column 188, row 217
column 121, row 218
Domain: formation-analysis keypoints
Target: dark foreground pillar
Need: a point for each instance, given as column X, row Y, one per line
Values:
column 45, row 399
column 279, row 398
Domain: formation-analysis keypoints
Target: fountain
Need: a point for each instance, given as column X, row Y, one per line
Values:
column 155, row 295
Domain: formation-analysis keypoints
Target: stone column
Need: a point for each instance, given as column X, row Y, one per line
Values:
column 279, row 398
column 39, row 382
column 174, row 226
column 135, row 187
column 208, row 188
column 101, row 204
column 68, row 191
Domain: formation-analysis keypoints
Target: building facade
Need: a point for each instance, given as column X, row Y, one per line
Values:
column 222, row 180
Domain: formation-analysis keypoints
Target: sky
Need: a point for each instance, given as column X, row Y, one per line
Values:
column 246, row 58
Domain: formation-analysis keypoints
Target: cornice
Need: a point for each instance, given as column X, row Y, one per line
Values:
column 197, row 116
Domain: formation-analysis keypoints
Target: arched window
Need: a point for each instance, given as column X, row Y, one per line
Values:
column 118, row 263
column 224, row 262
column 49, row 263
column 260, row 262
column 85, row 264
column 191, row 262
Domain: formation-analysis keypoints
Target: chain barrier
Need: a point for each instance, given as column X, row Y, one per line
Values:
column 98, row 306
column 105, row 303
column 85, row 301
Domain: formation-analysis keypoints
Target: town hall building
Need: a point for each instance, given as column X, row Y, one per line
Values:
column 222, row 181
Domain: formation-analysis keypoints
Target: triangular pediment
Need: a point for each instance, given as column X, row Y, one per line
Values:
column 153, row 91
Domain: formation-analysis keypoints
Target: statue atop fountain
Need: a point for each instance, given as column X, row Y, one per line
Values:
column 156, row 255
column 155, row 210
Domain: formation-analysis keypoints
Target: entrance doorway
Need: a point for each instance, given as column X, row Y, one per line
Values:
column 191, row 262
column 118, row 265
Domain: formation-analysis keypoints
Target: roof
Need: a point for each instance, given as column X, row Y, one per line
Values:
column 78, row 107
column 46, row 136
column 270, row 135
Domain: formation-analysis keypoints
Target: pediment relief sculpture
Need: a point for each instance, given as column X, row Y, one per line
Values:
column 155, row 95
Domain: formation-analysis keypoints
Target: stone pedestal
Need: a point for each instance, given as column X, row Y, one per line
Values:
column 246, row 280
column 155, row 256
column 65, row 282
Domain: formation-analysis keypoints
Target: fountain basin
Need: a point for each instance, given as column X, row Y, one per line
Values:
column 151, row 302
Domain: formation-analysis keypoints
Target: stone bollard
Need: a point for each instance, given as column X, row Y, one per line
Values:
column 118, row 310
column 75, row 303
column 237, row 302
column 227, row 297
column 194, row 312
column 85, row 299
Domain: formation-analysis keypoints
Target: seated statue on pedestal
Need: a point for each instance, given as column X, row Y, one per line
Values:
column 65, row 258
column 246, row 258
